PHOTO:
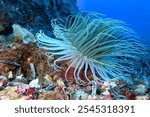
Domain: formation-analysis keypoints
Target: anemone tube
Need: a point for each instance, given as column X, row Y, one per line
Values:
column 92, row 41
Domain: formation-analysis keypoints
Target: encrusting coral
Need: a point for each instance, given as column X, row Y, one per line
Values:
column 91, row 42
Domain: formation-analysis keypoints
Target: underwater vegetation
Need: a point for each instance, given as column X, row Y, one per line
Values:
column 92, row 42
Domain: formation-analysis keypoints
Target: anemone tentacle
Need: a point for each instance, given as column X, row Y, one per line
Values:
column 91, row 41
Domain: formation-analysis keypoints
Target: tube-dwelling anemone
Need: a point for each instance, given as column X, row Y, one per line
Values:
column 91, row 41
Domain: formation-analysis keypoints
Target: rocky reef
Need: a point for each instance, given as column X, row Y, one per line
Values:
column 33, row 15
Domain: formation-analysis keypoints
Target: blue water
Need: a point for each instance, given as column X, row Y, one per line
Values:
column 135, row 12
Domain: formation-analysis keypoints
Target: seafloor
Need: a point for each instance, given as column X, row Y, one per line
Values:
column 24, row 70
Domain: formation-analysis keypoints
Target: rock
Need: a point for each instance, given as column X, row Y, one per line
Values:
column 141, row 97
column 34, row 83
column 1, row 28
column 60, row 82
column 34, row 14
column 140, row 89
column 79, row 95
column 10, row 93
column 10, row 75
column 23, row 33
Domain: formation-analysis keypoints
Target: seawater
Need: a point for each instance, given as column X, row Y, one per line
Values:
column 136, row 13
